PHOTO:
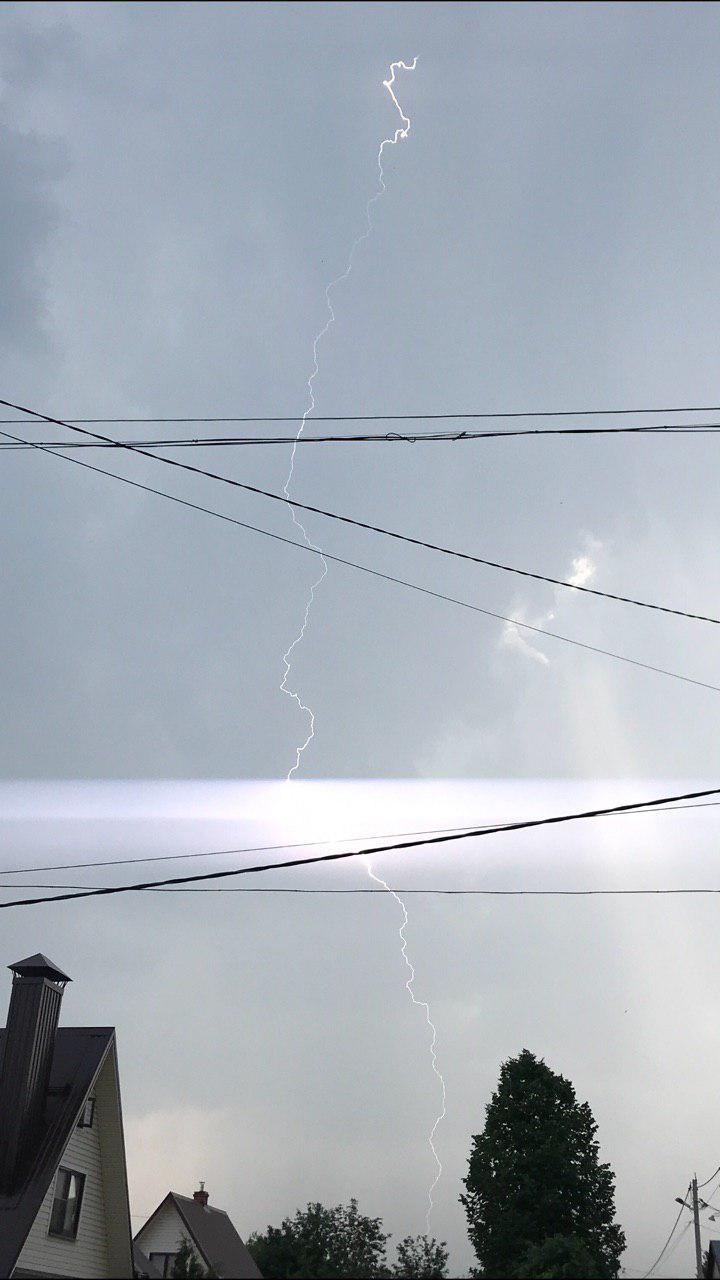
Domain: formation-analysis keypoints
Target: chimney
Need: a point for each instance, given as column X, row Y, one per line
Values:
column 37, row 991
column 201, row 1196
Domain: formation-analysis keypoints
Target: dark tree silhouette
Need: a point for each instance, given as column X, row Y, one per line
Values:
column 186, row 1262
column 322, row 1243
column 534, row 1174
column 419, row 1258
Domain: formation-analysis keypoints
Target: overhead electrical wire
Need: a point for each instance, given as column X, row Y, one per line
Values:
column 428, row 893
column 380, row 437
column 393, row 417
column 664, row 1249
column 477, row 832
column 221, row 853
column 366, row 525
column 305, row 844
column 375, row 573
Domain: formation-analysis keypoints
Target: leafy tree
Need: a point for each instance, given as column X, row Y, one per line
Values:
column 421, row 1259
column 534, row 1174
column 558, row 1258
column 186, row 1262
column 322, row 1243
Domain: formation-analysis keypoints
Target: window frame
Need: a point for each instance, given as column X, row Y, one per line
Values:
column 84, row 1123
column 70, row 1233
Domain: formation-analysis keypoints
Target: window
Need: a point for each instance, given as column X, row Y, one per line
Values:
column 88, row 1114
column 163, row 1262
column 66, row 1205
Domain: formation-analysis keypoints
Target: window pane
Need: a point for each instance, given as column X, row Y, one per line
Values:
column 66, row 1204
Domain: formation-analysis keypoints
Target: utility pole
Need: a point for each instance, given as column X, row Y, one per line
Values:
column 696, row 1216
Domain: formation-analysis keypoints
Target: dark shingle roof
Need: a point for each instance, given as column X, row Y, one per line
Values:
column 215, row 1236
column 78, row 1054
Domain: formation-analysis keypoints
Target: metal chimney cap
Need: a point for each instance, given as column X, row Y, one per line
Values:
column 38, row 966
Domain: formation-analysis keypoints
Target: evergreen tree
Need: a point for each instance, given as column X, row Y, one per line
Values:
column 186, row 1263
column 534, row 1174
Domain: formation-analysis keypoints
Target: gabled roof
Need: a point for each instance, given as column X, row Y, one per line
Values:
column 214, row 1235
column 78, row 1055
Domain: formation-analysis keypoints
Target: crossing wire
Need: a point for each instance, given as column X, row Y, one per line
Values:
column 375, row 573
column 477, row 832
column 362, row 524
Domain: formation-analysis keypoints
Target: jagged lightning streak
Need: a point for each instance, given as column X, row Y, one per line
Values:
column 400, row 134
column 421, row 1004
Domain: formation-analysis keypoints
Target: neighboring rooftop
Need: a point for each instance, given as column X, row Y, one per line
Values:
column 215, row 1236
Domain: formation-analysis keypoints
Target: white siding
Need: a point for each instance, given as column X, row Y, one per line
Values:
column 164, row 1233
column 103, row 1246
column 87, row 1255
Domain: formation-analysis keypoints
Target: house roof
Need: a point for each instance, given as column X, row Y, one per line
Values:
column 78, row 1055
column 215, row 1236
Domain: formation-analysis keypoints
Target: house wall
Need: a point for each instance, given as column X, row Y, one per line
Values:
column 103, row 1245
column 87, row 1255
column 164, row 1233
column 113, row 1168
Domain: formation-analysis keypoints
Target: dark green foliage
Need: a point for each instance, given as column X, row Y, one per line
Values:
column 186, row 1262
column 534, row 1174
column 559, row 1258
column 419, row 1258
column 322, row 1243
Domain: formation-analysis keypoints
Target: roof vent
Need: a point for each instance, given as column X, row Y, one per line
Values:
column 37, row 992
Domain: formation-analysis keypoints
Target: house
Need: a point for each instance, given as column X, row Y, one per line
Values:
column 64, row 1208
column 216, row 1243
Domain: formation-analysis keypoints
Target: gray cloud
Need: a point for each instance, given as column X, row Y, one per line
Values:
column 179, row 184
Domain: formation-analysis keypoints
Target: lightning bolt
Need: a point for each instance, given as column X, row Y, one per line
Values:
column 399, row 135
column 421, row 1004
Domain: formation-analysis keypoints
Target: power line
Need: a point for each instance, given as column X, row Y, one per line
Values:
column 300, row 844
column 428, row 893
column 363, row 524
column 381, row 437
column 391, row 417
column 220, row 853
column 707, row 1180
column 667, row 1242
column 375, row 573
column 523, row 825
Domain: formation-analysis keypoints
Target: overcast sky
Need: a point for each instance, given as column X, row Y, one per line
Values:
column 178, row 184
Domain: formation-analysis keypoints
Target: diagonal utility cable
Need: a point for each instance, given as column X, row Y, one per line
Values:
column 298, row 844
column 663, row 1251
column 361, row 524
column 362, row 568
column 522, row 825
